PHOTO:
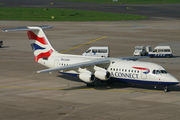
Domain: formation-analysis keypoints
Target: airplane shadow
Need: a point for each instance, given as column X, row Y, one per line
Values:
column 99, row 85
column 70, row 78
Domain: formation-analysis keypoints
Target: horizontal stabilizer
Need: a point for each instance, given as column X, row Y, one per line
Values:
column 26, row 28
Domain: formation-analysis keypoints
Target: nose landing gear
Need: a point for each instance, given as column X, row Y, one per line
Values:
column 166, row 89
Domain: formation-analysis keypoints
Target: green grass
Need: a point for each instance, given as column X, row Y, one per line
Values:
column 127, row 1
column 41, row 14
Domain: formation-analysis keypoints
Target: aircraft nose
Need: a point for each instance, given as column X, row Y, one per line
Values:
column 173, row 79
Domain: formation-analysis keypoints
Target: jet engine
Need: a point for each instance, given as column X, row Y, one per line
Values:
column 102, row 75
column 87, row 77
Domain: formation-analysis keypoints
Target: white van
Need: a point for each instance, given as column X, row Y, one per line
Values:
column 161, row 51
column 97, row 52
column 141, row 50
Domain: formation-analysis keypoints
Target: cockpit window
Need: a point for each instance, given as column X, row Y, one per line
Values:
column 159, row 72
column 163, row 71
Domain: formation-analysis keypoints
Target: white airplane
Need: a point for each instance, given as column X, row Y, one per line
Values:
column 89, row 69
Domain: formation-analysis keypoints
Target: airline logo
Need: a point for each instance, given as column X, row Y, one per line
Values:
column 145, row 69
column 39, row 46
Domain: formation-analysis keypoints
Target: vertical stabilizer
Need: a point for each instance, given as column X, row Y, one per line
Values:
column 39, row 42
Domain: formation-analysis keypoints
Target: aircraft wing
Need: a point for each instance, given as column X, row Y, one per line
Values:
column 132, row 58
column 77, row 65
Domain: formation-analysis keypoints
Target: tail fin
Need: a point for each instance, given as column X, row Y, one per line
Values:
column 39, row 42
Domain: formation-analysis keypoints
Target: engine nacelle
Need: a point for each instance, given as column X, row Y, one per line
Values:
column 87, row 77
column 102, row 75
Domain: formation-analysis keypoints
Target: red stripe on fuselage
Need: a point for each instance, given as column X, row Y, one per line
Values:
column 33, row 36
column 140, row 68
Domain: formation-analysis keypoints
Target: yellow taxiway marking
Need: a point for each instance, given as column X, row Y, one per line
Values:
column 106, row 24
column 120, row 90
column 84, row 44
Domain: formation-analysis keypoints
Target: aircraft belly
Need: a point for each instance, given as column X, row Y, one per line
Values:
column 146, row 82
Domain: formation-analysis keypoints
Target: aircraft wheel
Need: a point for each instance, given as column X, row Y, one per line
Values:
column 166, row 89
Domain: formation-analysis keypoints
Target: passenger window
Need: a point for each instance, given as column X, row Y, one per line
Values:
column 160, row 50
column 138, row 71
column 119, row 69
column 166, row 50
column 129, row 70
column 102, row 51
column 125, row 70
column 111, row 68
column 94, row 51
column 122, row 69
column 134, row 71
column 116, row 69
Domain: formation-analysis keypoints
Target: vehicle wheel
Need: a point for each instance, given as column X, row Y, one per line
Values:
column 168, row 56
column 151, row 56
column 166, row 89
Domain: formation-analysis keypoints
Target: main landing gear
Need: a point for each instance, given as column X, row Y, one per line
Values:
column 166, row 89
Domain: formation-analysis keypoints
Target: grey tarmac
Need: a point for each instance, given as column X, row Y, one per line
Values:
column 28, row 95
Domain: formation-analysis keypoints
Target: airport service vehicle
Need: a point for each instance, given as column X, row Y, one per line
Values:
column 89, row 69
column 97, row 52
column 142, row 50
column 161, row 51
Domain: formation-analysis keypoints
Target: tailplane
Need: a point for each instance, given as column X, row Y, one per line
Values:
column 39, row 42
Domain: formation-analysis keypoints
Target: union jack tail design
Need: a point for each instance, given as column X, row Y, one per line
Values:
column 39, row 43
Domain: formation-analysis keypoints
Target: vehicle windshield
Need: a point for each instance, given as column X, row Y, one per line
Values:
column 88, row 51
column 138, row 48
column 159, row 72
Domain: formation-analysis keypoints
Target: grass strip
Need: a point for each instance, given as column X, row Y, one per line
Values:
column 128, row 1
column 55, row 14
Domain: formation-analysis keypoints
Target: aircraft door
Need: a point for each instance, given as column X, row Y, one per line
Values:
column 143, row 75
column 56, row 63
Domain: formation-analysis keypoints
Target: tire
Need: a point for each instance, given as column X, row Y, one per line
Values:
column 166, row 89
column 151, row 56
column 168, row 56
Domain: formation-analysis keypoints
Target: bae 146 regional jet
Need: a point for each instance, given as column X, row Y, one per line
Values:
column 89, row 69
